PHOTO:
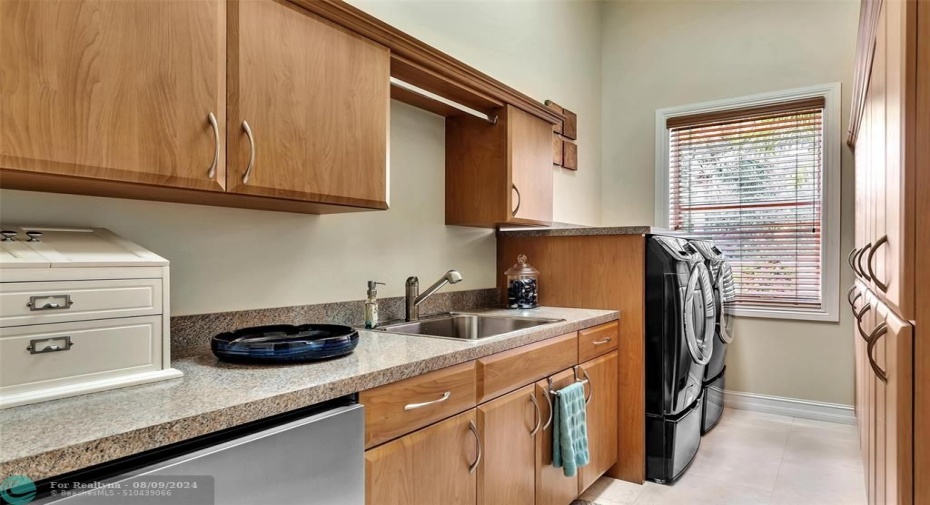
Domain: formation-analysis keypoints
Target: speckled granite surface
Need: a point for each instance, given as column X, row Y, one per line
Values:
column 190, row 335
column 578, row 231
column 55, row 437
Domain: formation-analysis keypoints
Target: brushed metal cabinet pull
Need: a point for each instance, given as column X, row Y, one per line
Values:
column 859, row 315
column 877, row 333
column 859, row 261
column 248, row 169
column 849, row 259
column 602, row 342
column 412, row 406
column 551, row 406
column 538, row 414
column 211, row 174
column 870, row 262
column 474, row 431
column 519, row 200
column 590, row 387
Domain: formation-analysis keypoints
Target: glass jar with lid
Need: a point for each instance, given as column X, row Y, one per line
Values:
column 522, row 285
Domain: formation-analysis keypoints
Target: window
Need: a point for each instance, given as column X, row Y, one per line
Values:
column 752, row 175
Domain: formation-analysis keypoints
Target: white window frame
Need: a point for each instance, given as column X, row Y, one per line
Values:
column 832, row 152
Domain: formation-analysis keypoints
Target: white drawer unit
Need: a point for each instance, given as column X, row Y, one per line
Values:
column 26, row 303
column 81, row 310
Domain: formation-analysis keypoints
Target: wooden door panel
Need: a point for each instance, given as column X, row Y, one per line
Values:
column 552, row 486
column 894, row 354
column 506, row 476
column 530, row 165
column 114, row 90
column 316, row 98
column 602, row 417
column 426, row 466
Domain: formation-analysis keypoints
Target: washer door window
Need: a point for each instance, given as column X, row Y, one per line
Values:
column 726, row 293
column 700, row 314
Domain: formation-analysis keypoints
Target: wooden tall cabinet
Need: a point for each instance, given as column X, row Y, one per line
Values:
column 117, row 91
column 308, row 105
column 890, row 132
column 552, row 486
column 498, row 173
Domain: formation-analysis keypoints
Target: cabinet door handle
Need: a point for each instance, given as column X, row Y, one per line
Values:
column 216, row 146
column 849, row 294
column 590, row 387
column 859, row 261
column 877, row 333
column 412, row 406
column 519, row 200
column 538, row 414
column 869, row 262
column 474, row 431
column 551, row 406
column 602, row 342
column 865, row 308
column 248, row 169
column 852, row 303
column 849, row 259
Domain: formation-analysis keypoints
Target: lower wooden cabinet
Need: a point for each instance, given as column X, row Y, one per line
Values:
column 552, row 486
column 430, row 466
column 602, row 417
column 508, row 427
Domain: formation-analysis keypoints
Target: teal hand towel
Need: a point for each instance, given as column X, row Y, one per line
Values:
column 570, row 430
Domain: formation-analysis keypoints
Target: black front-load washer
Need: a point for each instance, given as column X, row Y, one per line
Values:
column 680, row 334
column 721, row 276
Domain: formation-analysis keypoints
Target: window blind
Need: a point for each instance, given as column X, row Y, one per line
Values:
column 752, row 179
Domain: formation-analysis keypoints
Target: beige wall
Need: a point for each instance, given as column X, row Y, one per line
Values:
column 231, row 259
column 667, row 53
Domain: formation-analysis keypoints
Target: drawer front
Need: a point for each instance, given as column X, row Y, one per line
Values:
column 396, row 409
column 503, row 372
column 53, row 355
column 29, row 303
column 599, row 340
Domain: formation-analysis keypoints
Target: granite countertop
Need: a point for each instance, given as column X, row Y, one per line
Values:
column 51, row 438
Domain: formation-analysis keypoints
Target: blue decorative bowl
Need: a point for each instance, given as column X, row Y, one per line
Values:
column 285, row 343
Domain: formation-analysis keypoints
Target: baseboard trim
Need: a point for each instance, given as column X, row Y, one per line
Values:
column 792, row 407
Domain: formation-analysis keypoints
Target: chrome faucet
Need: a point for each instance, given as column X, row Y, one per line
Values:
column 414, row 299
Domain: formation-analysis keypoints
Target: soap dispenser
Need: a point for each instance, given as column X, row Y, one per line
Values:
column 371, row 305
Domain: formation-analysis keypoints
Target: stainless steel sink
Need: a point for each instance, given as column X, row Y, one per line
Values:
column 466, row 326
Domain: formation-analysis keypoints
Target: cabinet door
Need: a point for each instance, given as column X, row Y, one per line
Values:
column 425, row 467
column 530, row 165
column 602, row 417
column 552, row 486
column 893, row 358
column 114, row 90
column 308, row 108
column 508, row 427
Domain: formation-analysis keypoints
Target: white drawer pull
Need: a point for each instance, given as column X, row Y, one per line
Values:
column 44, row 345
column 50, row 302
column 600, row 342
column 412, row 406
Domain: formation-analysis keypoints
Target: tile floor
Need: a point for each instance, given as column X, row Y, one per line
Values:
column 752, row 458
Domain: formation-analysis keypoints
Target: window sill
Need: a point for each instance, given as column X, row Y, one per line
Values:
column 793, row 314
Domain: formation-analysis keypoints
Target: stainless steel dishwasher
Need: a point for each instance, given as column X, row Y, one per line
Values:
column 314, row 459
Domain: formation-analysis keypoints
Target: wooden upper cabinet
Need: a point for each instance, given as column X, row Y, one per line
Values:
column 114, row 90
column 316, row 100
column 498, row 173
column 602, row 417
column 508, row 427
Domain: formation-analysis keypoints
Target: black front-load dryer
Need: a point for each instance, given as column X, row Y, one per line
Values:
column 721, row 276
column 680, row 334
